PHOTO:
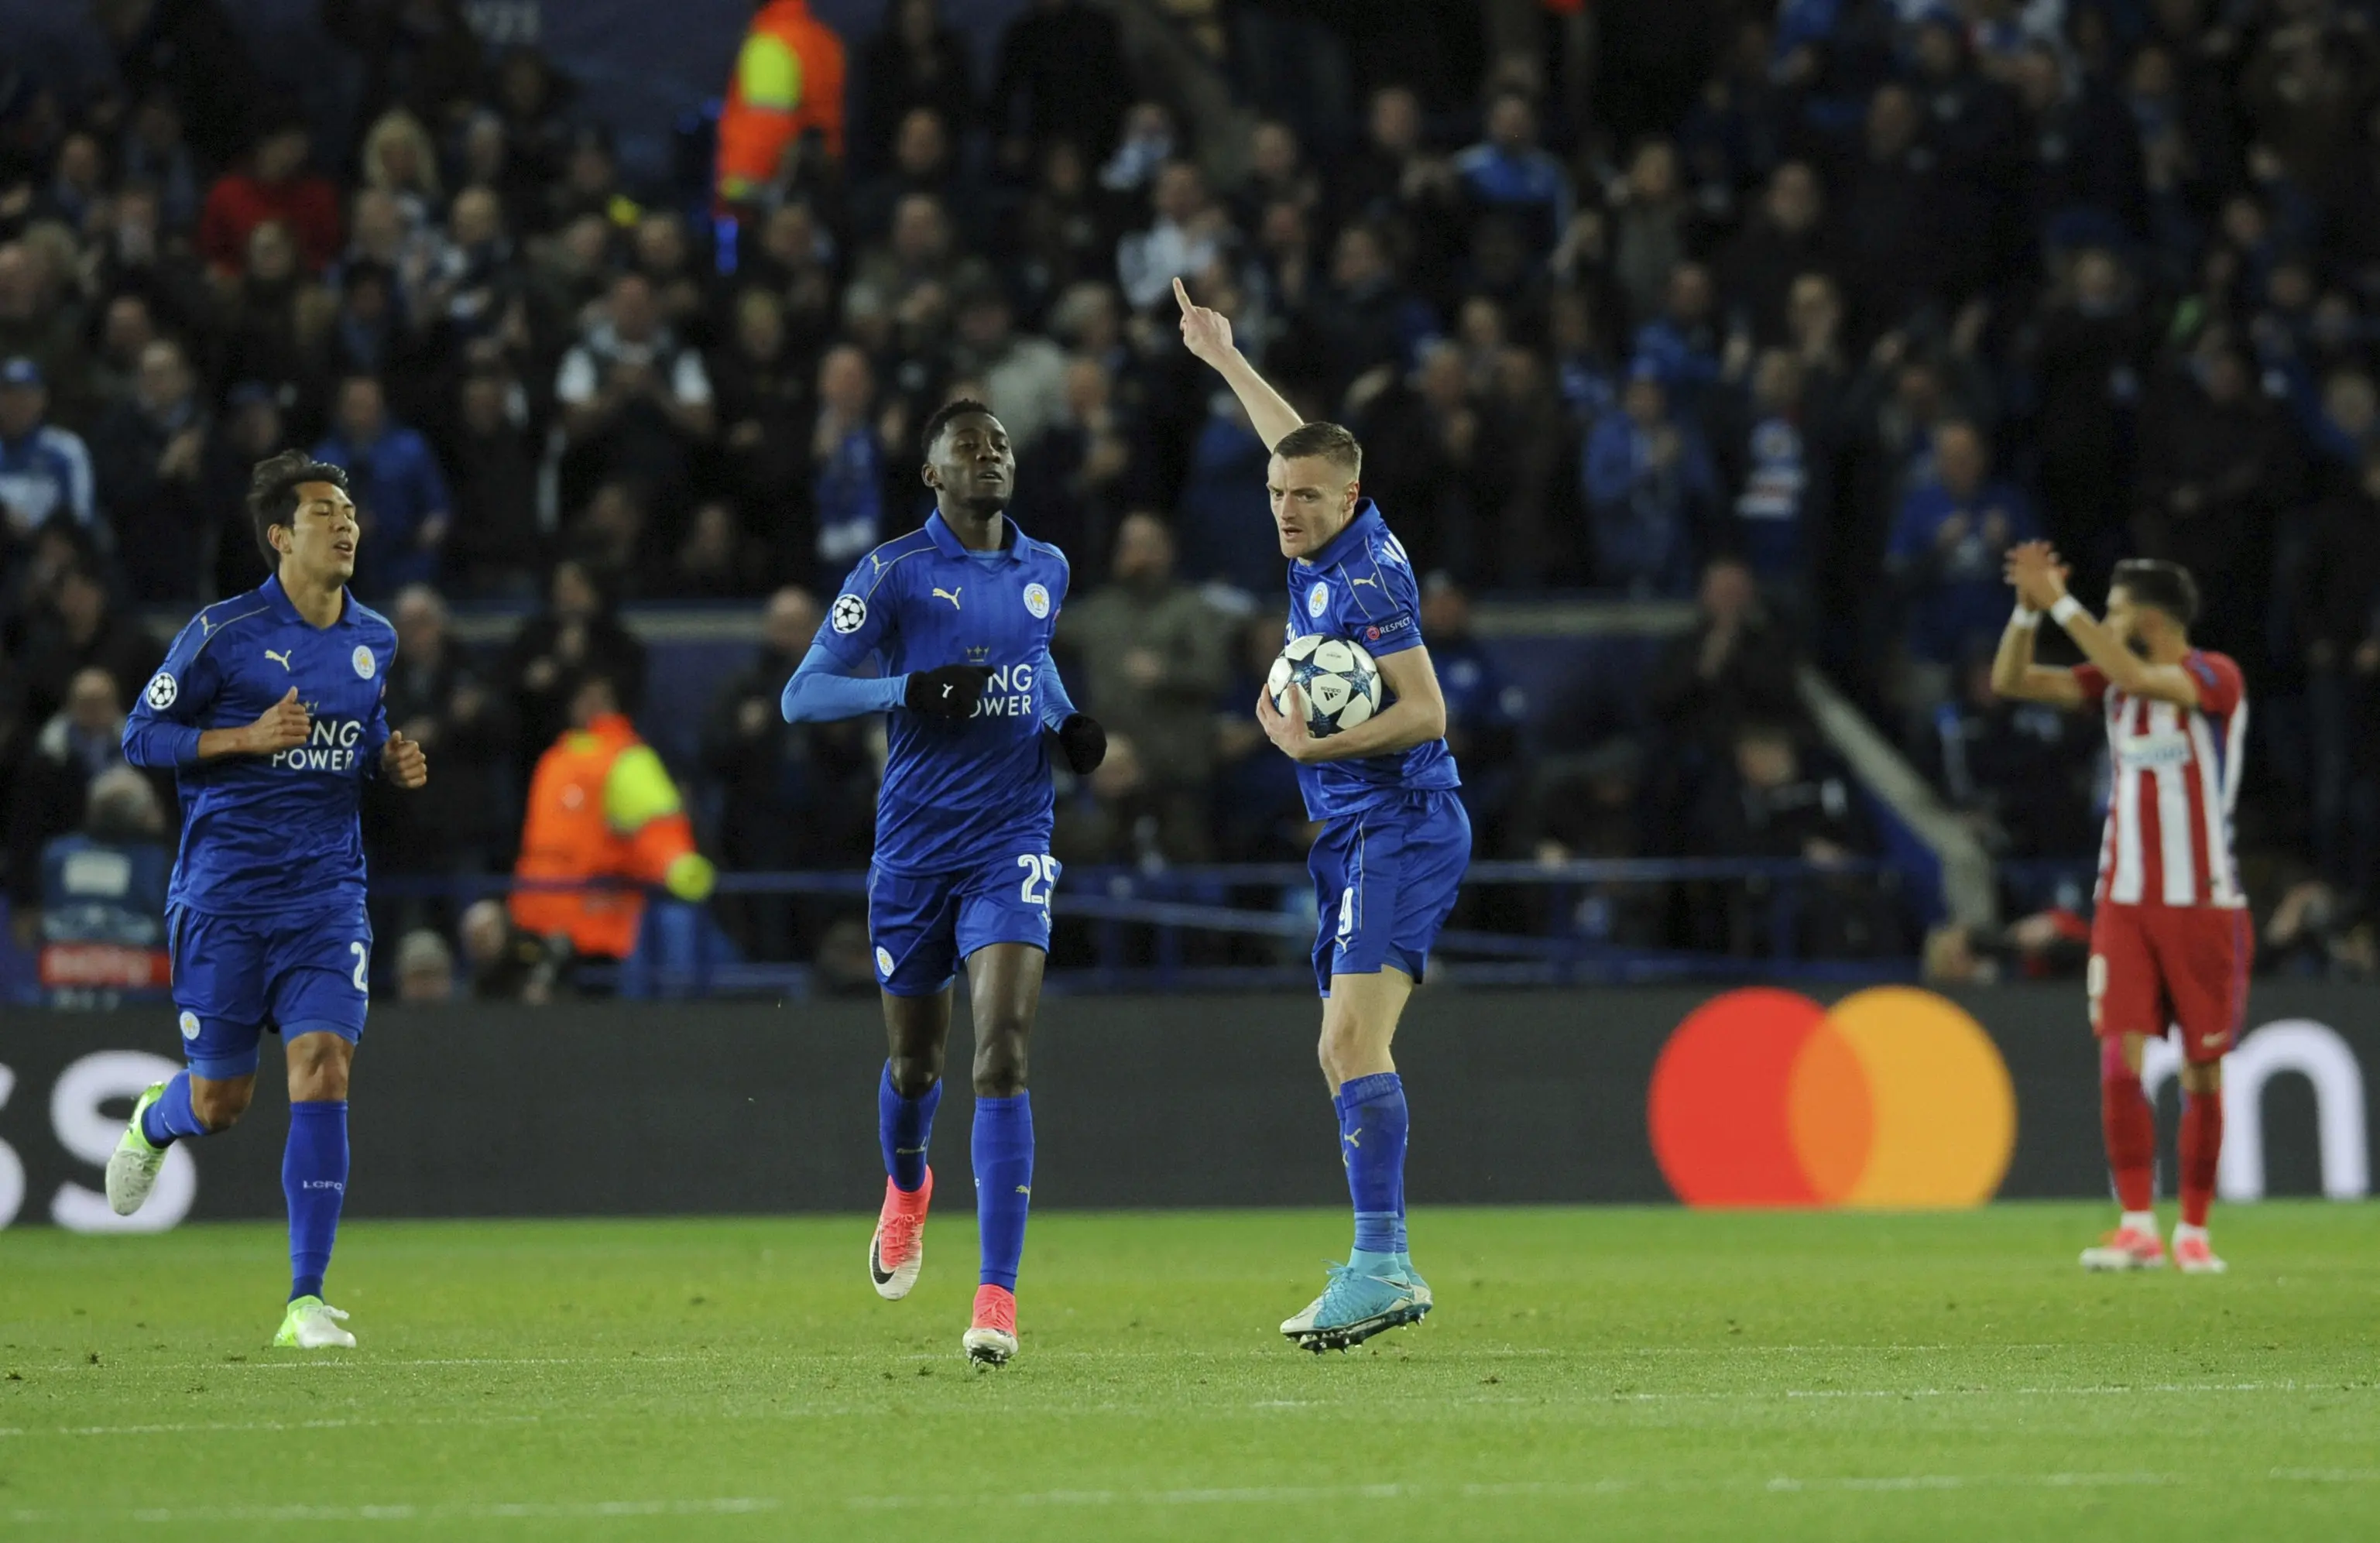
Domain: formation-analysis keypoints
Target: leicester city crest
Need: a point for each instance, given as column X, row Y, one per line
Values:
column 1037, row 600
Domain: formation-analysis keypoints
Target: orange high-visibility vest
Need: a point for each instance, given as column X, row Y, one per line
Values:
column 788, row 80
column 574, row 829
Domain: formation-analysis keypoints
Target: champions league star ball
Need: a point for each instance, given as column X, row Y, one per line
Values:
column 1341, row 683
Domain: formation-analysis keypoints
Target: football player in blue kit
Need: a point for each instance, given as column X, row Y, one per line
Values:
column 959, row 616
column 269, row 710
column 1395, row 841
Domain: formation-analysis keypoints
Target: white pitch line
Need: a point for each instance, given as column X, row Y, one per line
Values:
column 1780, row 1484
column 566, row 1509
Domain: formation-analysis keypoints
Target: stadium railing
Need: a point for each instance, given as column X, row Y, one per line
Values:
column 1127, row 929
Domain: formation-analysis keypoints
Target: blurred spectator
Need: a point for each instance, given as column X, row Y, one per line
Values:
column 1484, row 711
column 494, row 544
column 152, row 459
column 1947, row 550
column 44, row 470
column 849, row 457
column 792, row 796
column 251, row 431
column 578, row 632
column 1184, row 238
column 2087, row 351
column 39, row 323
column 2332, row 603
column 1651, row 492
column 1061, row 76
column 274, row 187
column 717, row 560
column 1259, row 815
column 1024, row 377
column 1785, row 238
column 274, row 322
column 763, row 390
column 604, row 821
column 917, row 60
column 1779, row 463
column 1153, row 658
column 78, row 743
column 443, row 700
column 1510, row 172
column 1736, row 666
column 2021, row 772
column 400, row 494
column 507, row 962
column 633, row 399
column 425, row 970
column 101, row 918
column 1771, row 805
column 73, row 626
column 925, row 162
column 788, row 83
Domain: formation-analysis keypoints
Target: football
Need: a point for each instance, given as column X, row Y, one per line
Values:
column 1341, row 683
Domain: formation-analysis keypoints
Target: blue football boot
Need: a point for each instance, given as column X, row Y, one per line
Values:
column 1368, row 1293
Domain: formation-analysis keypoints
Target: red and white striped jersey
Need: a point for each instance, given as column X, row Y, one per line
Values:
column 2175, row 776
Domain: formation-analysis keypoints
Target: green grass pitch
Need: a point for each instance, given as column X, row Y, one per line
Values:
column 1588, row 1373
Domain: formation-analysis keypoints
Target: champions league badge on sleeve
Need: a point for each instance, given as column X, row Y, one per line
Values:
column 850, row 613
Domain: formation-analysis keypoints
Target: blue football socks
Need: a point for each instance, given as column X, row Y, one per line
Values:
column 170, row 1119
column 904, row 1128
column 1372, row 1123
column 1003, row 1183
column 314, row 1177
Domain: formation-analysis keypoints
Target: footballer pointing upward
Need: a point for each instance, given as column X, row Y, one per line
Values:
column 269, row 710
column 1394, row 840
column 960, row 616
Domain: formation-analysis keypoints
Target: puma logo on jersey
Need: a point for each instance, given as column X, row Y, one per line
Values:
column 951, row 595
column 280, row 658
column 1352, row 582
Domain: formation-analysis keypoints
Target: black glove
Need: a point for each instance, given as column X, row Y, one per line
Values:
column 948, row 692
column 1085, row 742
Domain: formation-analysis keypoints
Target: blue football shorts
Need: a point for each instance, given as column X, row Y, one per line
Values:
column 235, row 978
column 1385, row 881
column 922, row 925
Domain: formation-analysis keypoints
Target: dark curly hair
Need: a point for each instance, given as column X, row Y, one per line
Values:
column 273, row 491
column 941, row 419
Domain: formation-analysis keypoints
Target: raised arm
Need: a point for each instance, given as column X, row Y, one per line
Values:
column 1208, row 335
column 2015, row 676
column 2041, row 580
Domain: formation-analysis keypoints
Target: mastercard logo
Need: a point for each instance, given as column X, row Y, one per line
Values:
column 1892, row 1098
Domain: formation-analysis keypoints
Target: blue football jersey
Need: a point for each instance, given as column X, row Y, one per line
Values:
column 958, row 793
column 1360, row 587
column 279, row 833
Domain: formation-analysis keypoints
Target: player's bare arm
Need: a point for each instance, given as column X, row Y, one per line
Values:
column 1208, row 335
column 282, row 726
column 2041, row 577
column 2014, row 674
column 1417, row 717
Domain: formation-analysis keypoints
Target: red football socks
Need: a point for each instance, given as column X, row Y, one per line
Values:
column 2131, row 1127
column 2202, row 1144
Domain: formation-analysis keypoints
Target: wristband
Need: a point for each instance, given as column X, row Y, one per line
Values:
column 2025, row 617
column 2066, row 610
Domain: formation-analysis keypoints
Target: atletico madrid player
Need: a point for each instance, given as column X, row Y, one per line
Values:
column 2170, row 943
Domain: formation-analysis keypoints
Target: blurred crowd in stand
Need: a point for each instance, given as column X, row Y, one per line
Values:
column 1798, row 313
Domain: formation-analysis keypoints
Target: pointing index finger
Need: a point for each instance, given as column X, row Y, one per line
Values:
column 1182, row 297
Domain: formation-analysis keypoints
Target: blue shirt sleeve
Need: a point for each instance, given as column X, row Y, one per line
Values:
column 1056, row 706
column 860, row 620
column 824, row 689
column 1382, row 604
column 163, row 727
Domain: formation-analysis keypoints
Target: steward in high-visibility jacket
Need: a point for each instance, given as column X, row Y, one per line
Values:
column 601, row 807
column 788, row 80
